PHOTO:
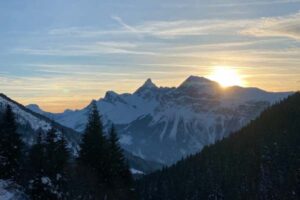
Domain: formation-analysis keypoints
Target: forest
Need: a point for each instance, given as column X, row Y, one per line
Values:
column 47, row 171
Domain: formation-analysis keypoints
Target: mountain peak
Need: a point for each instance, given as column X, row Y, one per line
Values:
column 146, row 86
column 196, row 81
column 33, row 106
column 149, row 84
column 110, row 95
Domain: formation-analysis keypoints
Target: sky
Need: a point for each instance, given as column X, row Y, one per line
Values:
column 61, row 54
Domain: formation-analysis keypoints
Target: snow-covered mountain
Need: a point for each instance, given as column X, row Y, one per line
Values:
column 30, row 122
column 165, row 124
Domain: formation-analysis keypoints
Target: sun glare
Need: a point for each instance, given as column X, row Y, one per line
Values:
column 226, row 76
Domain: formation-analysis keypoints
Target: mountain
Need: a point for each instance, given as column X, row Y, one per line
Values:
column 165, row 124
column 30, row 122
column 261, row 161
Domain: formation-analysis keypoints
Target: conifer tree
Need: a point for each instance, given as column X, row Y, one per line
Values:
column 61, row 167
column 50, row 151
column 38, row 186
column 49, row 159
column 121, row 181
column 10, row 145
column 117, row 161
column 57, row 156
column 104, row 157
column 63, row 154
column 116, row 157
column 93, row 149
column 56, row 152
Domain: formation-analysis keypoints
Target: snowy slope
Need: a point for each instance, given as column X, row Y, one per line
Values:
column 165, row 124
column 30, row 122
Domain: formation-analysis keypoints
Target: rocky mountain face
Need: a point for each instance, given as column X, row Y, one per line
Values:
column 166, row 124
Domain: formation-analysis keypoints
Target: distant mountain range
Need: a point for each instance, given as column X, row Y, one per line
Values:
column 165, row 124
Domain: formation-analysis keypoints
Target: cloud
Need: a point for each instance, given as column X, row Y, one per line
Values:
column 230, row 4
column 82, row 32
column 124, row 25
column 158, row 29
column 285, row 26
column 90, row 49
column 182, row 28
column 253, row 3
column 288, row 26
column 93, row 32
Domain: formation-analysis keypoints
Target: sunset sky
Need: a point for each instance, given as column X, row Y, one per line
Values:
column 61, row 54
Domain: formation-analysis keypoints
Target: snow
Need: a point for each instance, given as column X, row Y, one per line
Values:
column 36, row 122
column 193, row 112
column 174, row 128
column 164, row 131
column 24, row 117
column 4, row 193
column 194, row 81
column 135, row 171
column 10, row 191
column 125, row 140
column 45, row 180
column 147, row 85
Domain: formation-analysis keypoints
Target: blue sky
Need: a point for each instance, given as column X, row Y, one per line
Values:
column 61, row 54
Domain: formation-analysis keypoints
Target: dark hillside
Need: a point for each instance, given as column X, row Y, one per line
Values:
column 261, row 161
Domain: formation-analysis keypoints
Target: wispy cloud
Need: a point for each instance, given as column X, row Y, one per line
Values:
column 253, row 3
column 82, row 32
column 167, row 42
column 160, row 29
column 124, row 25
column 223, row 4
column 91, row 49
column 287, row 26
column 124, row 29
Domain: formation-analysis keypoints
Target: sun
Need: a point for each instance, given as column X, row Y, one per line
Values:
column 226, row 76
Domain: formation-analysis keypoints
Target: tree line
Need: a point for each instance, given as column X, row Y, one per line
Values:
column 47, row 170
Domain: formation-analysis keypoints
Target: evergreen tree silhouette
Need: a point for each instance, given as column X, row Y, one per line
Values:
column 38, row 187
column 49, row 160
column 121, row 181
column 10, row 146
column 94, row 148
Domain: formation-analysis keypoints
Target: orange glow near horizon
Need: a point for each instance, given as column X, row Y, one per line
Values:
column 76, row 91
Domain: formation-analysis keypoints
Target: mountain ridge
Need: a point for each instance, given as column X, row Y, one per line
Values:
column 165, row 124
